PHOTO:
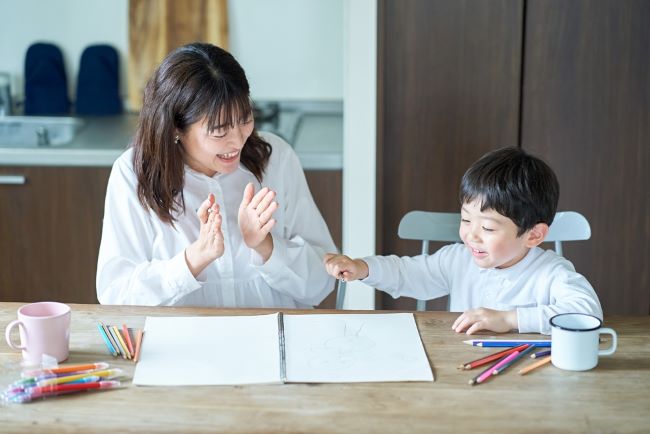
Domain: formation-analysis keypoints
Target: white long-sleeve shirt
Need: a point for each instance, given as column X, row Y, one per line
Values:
column 539, row 286
column 142, row 260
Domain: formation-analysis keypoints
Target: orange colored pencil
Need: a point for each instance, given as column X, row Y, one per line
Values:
column 138, row 345
column 487, row 359
column 127, row 338
column 535, row 365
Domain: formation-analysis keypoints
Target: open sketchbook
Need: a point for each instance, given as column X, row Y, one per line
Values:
column 278, row 348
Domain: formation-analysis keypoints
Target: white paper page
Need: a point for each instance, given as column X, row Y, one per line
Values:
column 342, row 348
column 209, row 350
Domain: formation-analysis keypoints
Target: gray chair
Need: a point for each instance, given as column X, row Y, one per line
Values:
column 428, row 226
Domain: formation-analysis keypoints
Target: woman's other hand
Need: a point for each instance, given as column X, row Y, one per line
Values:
column 255, row 220
column 209, row 246
column 345, row 268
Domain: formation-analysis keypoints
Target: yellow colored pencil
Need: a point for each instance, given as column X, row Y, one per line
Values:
column 119, row 337
column 535, row 365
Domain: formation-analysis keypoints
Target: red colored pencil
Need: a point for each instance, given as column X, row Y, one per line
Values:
column 485, row 360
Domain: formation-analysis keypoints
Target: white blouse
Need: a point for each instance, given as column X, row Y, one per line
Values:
column 142, row 260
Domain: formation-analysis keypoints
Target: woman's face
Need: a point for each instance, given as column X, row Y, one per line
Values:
column 218, row 150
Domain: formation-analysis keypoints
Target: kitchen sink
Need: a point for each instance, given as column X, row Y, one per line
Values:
column 37, row 131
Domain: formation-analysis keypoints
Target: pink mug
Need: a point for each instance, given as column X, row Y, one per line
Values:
column 44, row 329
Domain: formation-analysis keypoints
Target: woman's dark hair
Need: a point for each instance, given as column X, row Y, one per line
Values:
column 514, row 184
column 195, row 82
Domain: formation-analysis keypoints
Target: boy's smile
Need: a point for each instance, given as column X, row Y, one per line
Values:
column 491, row 237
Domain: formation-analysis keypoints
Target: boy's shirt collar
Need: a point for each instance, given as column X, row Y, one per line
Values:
column 515, row 269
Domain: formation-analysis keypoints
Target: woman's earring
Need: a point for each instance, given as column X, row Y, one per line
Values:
column 177, row 140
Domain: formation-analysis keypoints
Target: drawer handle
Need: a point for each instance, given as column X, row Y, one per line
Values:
column 12, row 180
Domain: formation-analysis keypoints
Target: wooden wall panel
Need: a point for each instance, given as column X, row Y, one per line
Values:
column 449, row 82
column 586, row 111
column 156, row 27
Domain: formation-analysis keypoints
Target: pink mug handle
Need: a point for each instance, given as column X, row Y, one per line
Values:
column 11, row 325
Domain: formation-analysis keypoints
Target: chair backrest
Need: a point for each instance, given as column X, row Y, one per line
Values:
column 429, row 226
column 443, row 227
column 423, row 226
column 568, row 226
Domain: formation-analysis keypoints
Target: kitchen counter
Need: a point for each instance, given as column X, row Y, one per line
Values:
column 318, row 143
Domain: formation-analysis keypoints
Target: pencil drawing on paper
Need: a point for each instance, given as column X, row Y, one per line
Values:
column 344, row 349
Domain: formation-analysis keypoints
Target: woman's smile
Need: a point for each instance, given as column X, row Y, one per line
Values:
column 230, row 156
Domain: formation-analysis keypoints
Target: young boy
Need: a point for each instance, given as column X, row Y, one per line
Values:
column 499, row 278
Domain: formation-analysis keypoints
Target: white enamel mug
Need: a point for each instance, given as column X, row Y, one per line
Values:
column 574, row 341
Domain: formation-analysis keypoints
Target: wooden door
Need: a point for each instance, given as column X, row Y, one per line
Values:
column 448, row 92
column 586, row 110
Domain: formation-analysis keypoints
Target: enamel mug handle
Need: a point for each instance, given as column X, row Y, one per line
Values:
column 610, row 350
column 11, row 325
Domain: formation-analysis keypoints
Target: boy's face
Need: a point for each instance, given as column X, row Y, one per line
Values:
column 491, row 237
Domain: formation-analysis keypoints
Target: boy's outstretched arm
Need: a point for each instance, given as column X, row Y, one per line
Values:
column 343, row 267
column 474, row 320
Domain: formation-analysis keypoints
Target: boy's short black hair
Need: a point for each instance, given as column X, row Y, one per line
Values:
column 514, row 184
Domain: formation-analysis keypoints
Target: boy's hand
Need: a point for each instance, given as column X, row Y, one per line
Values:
column 482, row 318
column 343, row 267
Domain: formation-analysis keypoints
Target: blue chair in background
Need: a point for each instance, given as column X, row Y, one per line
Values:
column 98, row 85
column 46, row 84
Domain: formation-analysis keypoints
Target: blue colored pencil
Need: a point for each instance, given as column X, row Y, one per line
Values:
column 106, row 341
column 540, row 354
column 513, row 361
column 507, row 343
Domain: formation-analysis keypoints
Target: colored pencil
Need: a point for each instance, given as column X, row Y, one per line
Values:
column 138, row 345
column 111, row 338
column 118, row 347
column 503, row 362
column 39, row 374
column 507, row 343
column 485, row 360
column 535, row 365
column 106, row 373
column 55, row 390
column 127, row 338
column 121, row 342
column 539, row 354
column 106, row 340
column 511, row 362
column 475, row 381
column 486, row 373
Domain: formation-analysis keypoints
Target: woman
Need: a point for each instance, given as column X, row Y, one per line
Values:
column 204, row 211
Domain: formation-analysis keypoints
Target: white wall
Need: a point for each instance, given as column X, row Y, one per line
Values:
column 70, row 24
column 359, row 141
column 290, row 49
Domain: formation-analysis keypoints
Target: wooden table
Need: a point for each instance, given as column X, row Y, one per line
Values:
column 614, row 397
